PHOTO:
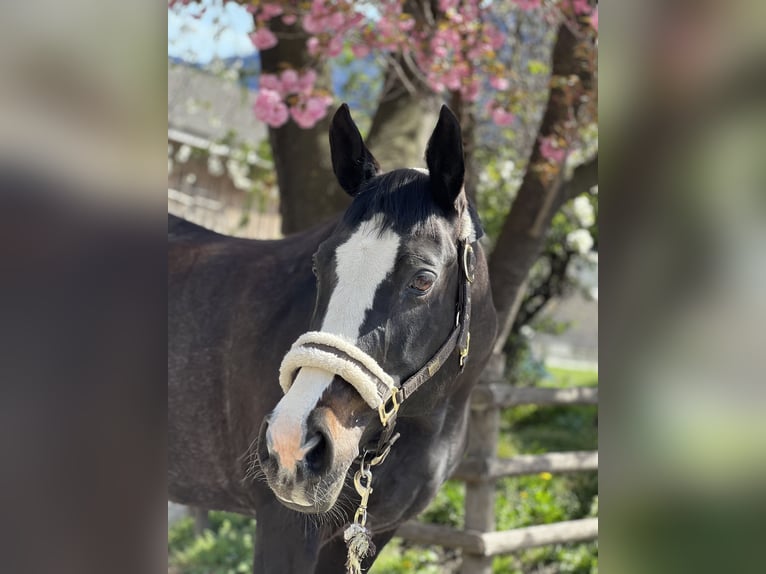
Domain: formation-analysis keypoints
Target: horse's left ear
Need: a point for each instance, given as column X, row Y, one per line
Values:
column 444, row 158
column 352, row 162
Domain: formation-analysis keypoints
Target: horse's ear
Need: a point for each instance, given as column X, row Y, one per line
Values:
column 352, row 162
column 444, row 158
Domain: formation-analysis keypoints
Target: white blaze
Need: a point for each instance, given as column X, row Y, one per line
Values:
column 362, row 263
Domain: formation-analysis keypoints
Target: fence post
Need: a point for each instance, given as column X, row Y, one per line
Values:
column 483, row 435
column 201, row 519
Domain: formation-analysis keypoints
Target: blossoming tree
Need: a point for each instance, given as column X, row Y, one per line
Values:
column 458, row 51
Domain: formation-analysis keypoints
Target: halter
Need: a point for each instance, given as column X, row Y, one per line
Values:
column 343, row 358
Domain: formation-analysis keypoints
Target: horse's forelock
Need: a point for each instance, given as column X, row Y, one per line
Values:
column 401, row 199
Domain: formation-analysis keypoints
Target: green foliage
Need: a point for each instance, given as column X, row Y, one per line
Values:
column 226, row 548
column 400, row 558
column 569, row 378
column 447, row 507
column 537, row 67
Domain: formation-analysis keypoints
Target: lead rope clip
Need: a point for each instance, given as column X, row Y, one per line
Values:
column 357, row 537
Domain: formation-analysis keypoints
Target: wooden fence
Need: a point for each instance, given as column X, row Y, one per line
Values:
column 481, row 469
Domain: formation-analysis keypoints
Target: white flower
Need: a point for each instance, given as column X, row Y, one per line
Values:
column 190, row 179
column 238, row 154
column 506, row 169
column 236, row 169
column 231, row 75
column 242, row 183
column 215, row 166
column 527, row 332
column 192, row 106
column 580, row 240
column 183, row 154
column 583, row 210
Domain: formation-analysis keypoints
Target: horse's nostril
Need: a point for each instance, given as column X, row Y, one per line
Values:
column 265, row 439
column 317, row 453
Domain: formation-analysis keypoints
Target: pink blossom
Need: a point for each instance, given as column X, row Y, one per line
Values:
column 289, row 19
column 499, row 83
column 270, row 82
column 471, row 91
column 594, row 19
column 335, row 47
column 334, row 22
column 550, row 151
column 360, row 50
column 307, row 80
column 502, row 117
column 445, row 5
column 312, row 25
column 581, row 6
column 406, row 24
column 308, row 112
column 289, row 81
column 312, row 45
column 495, row 38
column 263, row 39
column 528, row 5
column 268, row 11
column 302, row 118
column 270, row 108
column 440, row 51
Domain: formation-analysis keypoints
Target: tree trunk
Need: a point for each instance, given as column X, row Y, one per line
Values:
column 308, row 191
column 541, row 193
column 401, row 128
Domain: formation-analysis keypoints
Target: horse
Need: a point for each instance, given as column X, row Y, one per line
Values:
column 355, row 344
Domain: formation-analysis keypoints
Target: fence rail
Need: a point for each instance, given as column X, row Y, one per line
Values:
column 494, row 543
column 553, row 462
column 481, row 469
column 503, row 395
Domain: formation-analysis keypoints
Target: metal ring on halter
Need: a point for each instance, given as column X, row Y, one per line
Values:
column 470, row 274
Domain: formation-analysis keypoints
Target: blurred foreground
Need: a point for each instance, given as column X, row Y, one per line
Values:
column 82, row 145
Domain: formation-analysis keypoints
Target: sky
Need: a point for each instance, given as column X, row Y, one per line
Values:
column 196, row 40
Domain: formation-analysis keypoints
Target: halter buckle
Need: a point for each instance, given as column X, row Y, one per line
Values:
column 469, row 271
column 386, row 413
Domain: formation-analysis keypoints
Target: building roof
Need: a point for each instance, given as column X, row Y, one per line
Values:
column 209, row 106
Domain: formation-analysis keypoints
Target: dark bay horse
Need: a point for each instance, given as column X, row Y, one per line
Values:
column 386, row 295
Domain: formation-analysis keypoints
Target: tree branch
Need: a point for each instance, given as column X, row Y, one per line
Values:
column 542, row 191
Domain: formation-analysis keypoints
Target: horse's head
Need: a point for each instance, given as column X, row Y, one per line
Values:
column 388, row 280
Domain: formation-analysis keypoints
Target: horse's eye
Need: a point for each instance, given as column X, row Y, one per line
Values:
column 422, row 282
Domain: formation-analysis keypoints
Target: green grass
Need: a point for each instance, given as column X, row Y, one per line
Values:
column 569, row 378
